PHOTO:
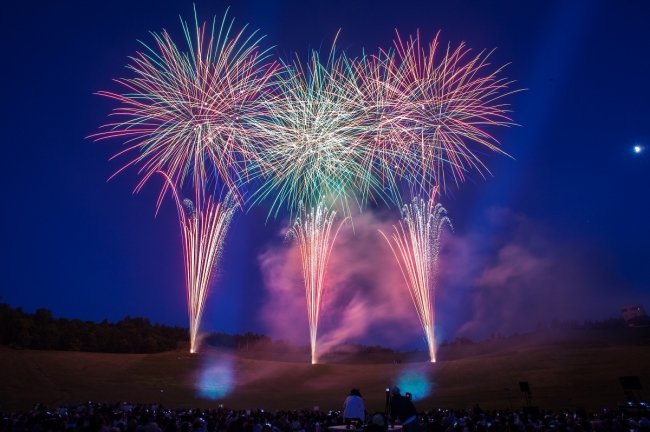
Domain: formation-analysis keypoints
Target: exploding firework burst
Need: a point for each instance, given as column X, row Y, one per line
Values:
column 428, row 124
column 186, row 111
column 417, row 245
column 314, row 146
column 312, row 230
column 428, row 113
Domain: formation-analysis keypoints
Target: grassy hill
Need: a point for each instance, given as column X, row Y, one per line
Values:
column 565, row 369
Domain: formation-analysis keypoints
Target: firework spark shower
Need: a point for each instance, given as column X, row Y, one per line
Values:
column 416, row 247
column 89, row 249
column 315, row 150
column 314, row 136
column 428, row 112
column 312, row 230
column 203, row 231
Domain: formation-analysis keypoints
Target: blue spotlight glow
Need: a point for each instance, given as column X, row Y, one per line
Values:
column 415, row 383
column 638, row 149
column 216, row 379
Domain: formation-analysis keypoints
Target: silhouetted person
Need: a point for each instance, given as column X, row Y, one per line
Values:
column 402, row 408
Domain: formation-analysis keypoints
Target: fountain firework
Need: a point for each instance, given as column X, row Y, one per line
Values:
column 312, row 230
column 417, row 244
column 203, row 231
column 187, row 114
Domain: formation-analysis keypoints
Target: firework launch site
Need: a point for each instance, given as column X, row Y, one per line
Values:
column 566, row 369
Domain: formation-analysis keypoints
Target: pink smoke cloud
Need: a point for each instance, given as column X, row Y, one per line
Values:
column 366, row 299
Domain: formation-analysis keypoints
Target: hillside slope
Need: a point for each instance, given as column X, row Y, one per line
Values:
column 567, row 369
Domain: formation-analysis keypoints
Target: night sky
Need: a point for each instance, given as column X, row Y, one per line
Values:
column 562, row 226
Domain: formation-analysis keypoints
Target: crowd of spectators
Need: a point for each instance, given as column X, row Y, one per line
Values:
column 127, row 417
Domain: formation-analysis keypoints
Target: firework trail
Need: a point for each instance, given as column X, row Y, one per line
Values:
column 314, row 137
column 186, row 114
column 312, row 230
column 427, row 111
column 416, row 247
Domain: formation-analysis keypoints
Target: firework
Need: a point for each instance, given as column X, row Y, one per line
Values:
column 314, row 137
column 186, row 113
column 314, row 148
column 203, row 230
column 312, row 230
column 426, row 119
column 427, row 110
column 417, row 244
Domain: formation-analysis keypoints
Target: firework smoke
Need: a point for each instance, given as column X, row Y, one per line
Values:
column 312, row 231
column 417, row 245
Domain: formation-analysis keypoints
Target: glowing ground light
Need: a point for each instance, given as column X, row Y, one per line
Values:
column 216, row 380
column 416, row 383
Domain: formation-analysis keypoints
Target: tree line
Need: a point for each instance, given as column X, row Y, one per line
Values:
column 41, row 331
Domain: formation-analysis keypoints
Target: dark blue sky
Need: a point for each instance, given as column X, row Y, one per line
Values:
column 88, row 248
